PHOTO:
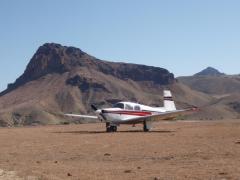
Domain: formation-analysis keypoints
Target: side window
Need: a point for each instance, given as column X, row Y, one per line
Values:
column 137, row 108
column 128, row 107
column 119, row 105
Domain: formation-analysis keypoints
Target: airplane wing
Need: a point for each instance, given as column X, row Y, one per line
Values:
column 81, row 116
column 161, row 116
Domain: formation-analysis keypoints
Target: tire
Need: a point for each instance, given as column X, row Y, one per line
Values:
column 114, row 128
column 110, row 128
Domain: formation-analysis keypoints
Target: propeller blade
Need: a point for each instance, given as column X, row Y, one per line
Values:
column 99, row 111
column 94, row 107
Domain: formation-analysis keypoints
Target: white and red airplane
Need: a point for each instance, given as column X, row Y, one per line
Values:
column 134, row 113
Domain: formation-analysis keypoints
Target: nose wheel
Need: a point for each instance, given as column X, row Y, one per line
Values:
column 111, row 128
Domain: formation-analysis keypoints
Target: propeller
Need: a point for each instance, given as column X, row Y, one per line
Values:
column 94, row 107
column 98, row 111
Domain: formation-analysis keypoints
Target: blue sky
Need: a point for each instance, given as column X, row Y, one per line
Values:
column 183, row 36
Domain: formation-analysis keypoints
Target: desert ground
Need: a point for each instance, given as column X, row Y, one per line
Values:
column 172, row 150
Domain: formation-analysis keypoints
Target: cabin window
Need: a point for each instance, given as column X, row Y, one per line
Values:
column 137, row 108
column 119, row 105
column 128, row 107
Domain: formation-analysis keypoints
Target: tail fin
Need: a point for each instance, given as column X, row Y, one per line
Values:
column 168, row 101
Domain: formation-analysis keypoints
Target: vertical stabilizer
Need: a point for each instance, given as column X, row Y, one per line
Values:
column 168, row 102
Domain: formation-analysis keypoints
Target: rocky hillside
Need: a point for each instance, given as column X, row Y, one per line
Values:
column 61, row 79
column 213, row 85
column 224, row 89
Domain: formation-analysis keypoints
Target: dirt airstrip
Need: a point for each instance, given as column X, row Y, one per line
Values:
column 172, row 150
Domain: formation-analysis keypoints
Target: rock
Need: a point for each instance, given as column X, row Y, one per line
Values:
column 107, row 154
column 127, row 171
column 222, row 173
column 237, row 142
column 168, row 158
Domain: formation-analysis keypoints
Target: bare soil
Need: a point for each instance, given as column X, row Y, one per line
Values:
column 172, row 150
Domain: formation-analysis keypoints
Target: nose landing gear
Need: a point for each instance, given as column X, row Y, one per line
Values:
column 110, row 128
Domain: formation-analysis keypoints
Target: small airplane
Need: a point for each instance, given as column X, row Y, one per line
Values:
column 134, row 113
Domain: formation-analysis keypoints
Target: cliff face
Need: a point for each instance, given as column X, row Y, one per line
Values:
column 51, row 58
column 60, row 79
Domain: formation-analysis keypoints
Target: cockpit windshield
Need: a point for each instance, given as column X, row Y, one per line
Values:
column 119, row 105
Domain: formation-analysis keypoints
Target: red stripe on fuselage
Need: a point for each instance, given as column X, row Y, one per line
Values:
column 133, row 113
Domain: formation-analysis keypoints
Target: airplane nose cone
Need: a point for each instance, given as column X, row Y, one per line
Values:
column 98, row 111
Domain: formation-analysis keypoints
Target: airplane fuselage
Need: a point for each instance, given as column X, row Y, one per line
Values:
column 128, row 110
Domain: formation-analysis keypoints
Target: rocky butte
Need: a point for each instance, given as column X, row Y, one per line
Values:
column 62, row 79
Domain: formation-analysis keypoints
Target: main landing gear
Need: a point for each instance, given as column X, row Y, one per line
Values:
column 145, row 127
column 110, row 128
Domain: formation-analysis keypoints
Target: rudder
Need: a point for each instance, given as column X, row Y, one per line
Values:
column 168, row 102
